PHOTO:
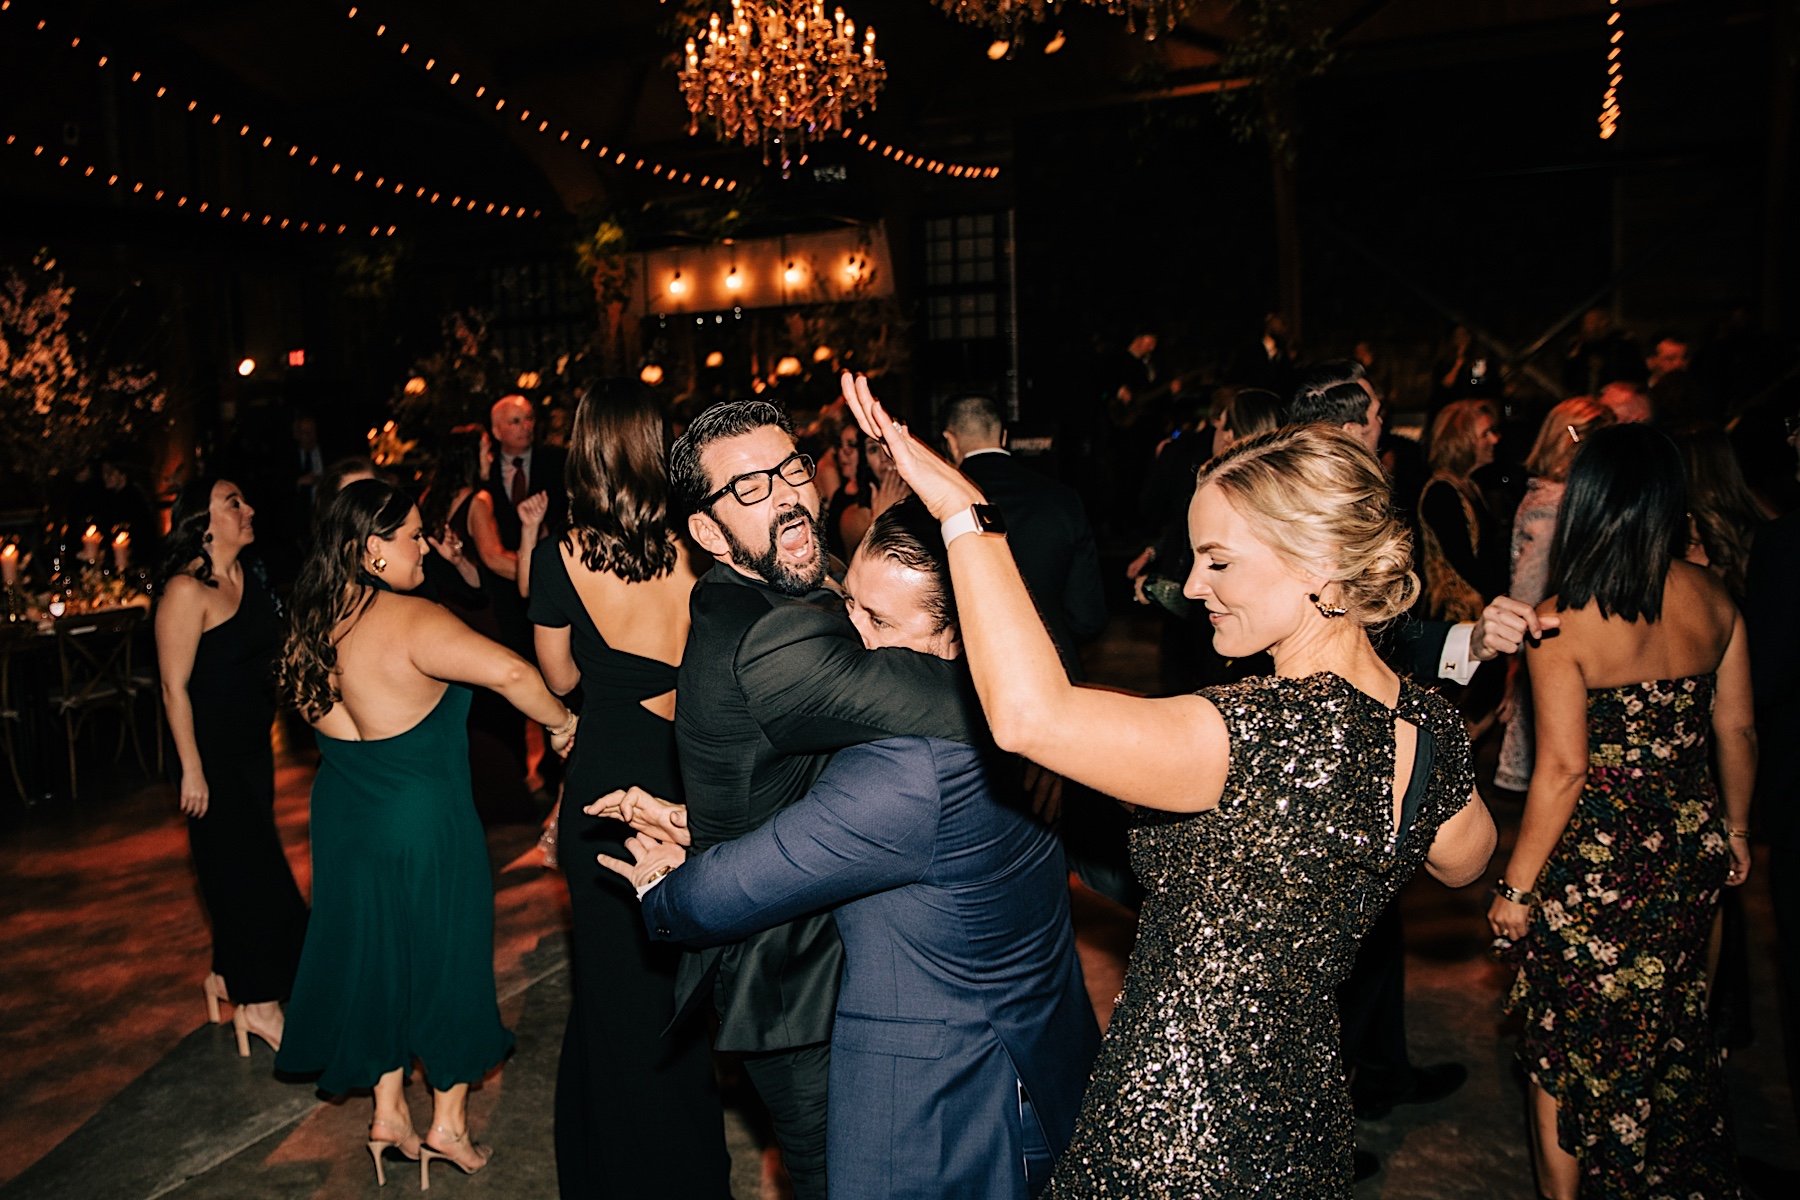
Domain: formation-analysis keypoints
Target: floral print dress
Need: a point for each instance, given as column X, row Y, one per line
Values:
column 1612, row 989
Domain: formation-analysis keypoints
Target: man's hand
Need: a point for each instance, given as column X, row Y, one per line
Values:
column 651, row 860
column 645, row 813
column 1504, row 626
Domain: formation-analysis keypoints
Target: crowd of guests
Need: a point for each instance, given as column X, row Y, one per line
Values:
column 830, row 761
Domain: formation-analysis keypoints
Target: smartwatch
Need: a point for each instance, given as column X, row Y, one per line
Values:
column 977, row 518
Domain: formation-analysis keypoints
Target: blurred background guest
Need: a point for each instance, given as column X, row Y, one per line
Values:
column 1628, row 837
column 1464, row 568
column 1561, row 434
column 1724, row 514
column 847, row 513
column 218, row 631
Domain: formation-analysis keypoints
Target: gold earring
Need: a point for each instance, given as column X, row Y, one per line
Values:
column 380, row 565
column 1327, row 611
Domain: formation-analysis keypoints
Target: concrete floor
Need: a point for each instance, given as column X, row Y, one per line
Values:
column 113, row 1086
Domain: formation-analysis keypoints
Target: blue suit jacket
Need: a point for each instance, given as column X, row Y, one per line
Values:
column 960, row 982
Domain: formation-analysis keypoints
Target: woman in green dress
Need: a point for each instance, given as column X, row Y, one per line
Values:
column 398, row 963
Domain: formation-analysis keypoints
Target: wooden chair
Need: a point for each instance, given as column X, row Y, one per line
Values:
column 94, row 661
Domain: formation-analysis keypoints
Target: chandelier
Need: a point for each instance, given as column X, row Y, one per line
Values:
column 778, row 72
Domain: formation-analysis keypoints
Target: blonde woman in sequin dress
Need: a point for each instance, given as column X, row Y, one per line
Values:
column 1289, row 809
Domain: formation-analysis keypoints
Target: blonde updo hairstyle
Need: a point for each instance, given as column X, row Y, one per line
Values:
column 1316, row 497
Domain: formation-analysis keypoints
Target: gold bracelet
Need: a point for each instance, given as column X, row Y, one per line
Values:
column 1740, row 833
column 655, row 876
column 566, row 728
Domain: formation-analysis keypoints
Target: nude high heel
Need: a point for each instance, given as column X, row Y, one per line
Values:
column 214, row 987
column 384, row 1136
column 462, row 1153
column 240, row 1024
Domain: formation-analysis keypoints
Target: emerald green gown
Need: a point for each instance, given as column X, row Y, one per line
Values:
column 399, row 956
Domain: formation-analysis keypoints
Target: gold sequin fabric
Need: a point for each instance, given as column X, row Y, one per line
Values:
column 1220, row 1075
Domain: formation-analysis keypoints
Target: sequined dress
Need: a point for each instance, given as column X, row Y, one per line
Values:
column 1220, row 1075
column 1612, row 989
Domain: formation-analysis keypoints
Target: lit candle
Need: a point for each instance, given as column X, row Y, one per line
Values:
column 121, row 550
column 90, row 545
column 9, row 564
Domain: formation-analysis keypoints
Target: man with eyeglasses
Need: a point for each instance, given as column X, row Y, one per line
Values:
column 773, row 681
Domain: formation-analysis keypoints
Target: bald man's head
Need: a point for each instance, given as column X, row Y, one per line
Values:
column 513, row 423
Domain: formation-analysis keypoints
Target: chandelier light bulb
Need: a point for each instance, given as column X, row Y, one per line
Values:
column 246, row 367
column 1055, row 43
column 999, row 49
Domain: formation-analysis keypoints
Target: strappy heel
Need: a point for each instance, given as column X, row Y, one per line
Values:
column 214, row 987
column 407, row 1145
column 464, row 1154
column 240, row 1023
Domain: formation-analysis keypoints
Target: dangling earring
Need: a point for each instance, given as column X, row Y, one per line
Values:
column 1327, row 611
column 380, row 565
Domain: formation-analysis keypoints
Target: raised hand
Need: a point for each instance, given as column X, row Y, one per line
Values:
column 450, row 549
column 533, row 509
column 943, row 488
column 650, row 860
column 1505, row 624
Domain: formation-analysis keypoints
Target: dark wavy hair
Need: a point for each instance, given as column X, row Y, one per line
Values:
column 1623, row 516
column 1725, row 510
column 458, row 467
column 618, row 482
column 189, row 520
column 731, row 418
column 333, row 588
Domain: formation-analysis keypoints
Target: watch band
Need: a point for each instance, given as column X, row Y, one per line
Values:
column 977, row 518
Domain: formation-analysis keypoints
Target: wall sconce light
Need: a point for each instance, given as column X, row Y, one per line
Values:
column 792, row 274
column 733, row 281
column 677, row 285
column 246, row 367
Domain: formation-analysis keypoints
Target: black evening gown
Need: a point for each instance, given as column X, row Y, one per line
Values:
column 496, row 730
column 623, row 1085
column 258, row 917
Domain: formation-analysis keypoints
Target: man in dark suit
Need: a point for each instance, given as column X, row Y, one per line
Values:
column 522, row 469
column 1772, row 615
column 964, row 1033
column 1046, row 526
column 773, row 681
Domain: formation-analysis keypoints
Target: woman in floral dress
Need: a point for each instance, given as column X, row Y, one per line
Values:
column 1628, row 838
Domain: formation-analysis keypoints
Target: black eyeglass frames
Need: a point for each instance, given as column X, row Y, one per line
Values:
column 753, row 487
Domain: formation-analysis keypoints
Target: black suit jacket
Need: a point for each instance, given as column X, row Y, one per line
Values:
column 769, row 687
column 1772, row 616
column 1047, row 528
column 1412, row 646
column 544, row 475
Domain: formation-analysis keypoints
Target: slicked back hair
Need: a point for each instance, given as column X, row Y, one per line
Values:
column 733, row 418
column 907, row 534
column 1623, row 515
column 1330, row 394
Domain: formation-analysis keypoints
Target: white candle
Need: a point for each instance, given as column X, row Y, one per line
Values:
column 90, row 545
column 121, row 550
column 9, row 564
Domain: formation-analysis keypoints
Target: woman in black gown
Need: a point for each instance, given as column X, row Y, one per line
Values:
column 217, row 634
column 609, row 604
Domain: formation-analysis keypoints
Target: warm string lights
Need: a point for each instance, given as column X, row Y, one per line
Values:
column 291, row 150
column 918, row 162
column 1609, row 104
column 229, row 213
column 612, row 156
column 778, row 72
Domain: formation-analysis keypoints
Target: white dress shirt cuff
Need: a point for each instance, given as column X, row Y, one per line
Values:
column 1456, row 663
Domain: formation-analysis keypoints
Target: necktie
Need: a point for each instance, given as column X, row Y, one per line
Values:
column 518, row 487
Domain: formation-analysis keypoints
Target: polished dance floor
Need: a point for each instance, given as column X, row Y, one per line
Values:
column 114, row 1087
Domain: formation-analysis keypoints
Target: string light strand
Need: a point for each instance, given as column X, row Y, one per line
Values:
column 1615, row 70
column 919, row 162
column 348, row 172
column 609, row 155
column 183, row 201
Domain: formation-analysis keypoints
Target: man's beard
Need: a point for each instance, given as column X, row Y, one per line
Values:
column 769, row 567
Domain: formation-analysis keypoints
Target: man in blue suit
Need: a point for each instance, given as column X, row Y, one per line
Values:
column 963, row 1033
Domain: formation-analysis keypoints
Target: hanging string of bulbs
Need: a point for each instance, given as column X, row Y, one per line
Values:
column 1609, row 103
column 294, row 152
column 182, row 201
column 610, row 155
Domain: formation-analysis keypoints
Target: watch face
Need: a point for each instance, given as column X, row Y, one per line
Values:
column 988, row 518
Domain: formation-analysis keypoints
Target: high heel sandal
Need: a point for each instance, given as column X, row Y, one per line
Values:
column 240, row 1023
column 465, row 1155
column 406, row 1145
column 214, row 987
